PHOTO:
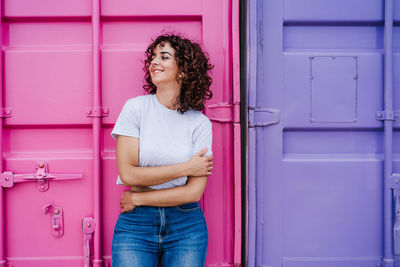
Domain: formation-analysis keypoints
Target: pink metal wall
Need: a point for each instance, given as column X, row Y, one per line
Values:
column 67, row 68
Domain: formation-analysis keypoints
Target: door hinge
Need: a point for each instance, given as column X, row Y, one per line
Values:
column 260, row 116
column 224, row 112
column 5, row 264
column 97, row 112
column 5, row 112
column 387, row 115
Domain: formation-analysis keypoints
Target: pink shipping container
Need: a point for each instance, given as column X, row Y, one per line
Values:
column 67, row 67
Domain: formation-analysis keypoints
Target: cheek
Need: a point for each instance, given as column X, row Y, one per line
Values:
column 174, row 69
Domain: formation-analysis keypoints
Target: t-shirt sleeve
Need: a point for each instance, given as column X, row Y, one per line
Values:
column 128, row 122
column 202, row 137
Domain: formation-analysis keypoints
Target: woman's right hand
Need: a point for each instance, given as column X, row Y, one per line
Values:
column 200, row 165
column 126, row 203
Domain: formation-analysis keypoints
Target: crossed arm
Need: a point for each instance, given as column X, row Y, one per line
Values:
column 138, row 178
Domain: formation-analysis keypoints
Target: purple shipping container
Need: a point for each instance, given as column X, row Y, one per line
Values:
column 323, row 133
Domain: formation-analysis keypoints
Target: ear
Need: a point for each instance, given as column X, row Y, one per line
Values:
column 180, row 77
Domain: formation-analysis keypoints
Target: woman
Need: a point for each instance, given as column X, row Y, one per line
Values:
column 164, row 155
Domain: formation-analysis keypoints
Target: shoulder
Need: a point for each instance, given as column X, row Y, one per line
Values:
column 202, row 134
column 138, row 99
column 198, row 117
column 204, row 121
column 137, row 102
column 200, row 121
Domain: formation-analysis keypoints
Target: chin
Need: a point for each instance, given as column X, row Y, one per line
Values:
column 155, row 82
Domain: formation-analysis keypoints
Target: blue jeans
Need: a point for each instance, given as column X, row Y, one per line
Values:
column 176, row 235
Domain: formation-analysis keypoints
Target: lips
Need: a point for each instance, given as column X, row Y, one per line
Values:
column 155, row 71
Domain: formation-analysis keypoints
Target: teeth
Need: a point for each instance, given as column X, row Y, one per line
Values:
column 157, row 71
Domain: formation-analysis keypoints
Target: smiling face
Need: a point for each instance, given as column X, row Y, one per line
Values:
column 163, row 68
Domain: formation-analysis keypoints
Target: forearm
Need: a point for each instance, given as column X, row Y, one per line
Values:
column 133, row 175
column 147, row 176
column 191, row 192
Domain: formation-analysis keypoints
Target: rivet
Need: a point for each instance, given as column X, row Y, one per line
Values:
column 56, row 211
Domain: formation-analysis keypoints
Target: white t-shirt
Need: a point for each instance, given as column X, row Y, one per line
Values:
column 165, row 136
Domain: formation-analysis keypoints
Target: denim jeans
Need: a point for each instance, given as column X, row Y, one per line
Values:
column 176, row 235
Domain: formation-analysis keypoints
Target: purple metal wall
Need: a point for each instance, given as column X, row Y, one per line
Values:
column 316, row 146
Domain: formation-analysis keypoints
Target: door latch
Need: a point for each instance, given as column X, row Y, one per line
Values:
column 42, row 177
column 396, row 226
column 88, row 227
column 57, row 220
column 395, row 185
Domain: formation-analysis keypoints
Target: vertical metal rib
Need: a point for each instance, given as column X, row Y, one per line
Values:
column 388, row 135
column 236, row 135
column 251, row 65
column 97, row 260
column 2, row 217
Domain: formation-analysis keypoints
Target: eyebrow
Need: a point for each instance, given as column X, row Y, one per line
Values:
column 166, row 53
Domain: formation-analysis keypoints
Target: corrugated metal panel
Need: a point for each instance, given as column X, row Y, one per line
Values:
column 59, row 59
column 316, row 168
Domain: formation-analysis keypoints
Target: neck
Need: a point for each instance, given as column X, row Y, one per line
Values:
column 168, row 96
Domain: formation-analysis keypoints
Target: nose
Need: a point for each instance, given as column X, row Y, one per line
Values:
column 154, row 61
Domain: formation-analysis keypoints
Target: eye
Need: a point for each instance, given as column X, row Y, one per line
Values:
column 164, row 58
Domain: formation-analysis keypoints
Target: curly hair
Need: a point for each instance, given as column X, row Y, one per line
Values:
column 193, row 63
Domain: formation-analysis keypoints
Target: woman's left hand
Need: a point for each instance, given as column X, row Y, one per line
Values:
column 126, row 202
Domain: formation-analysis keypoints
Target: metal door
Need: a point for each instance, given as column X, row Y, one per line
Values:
column 67, row 69
column 315, row 85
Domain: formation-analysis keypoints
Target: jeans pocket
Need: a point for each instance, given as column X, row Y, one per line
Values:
column 189, row 207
